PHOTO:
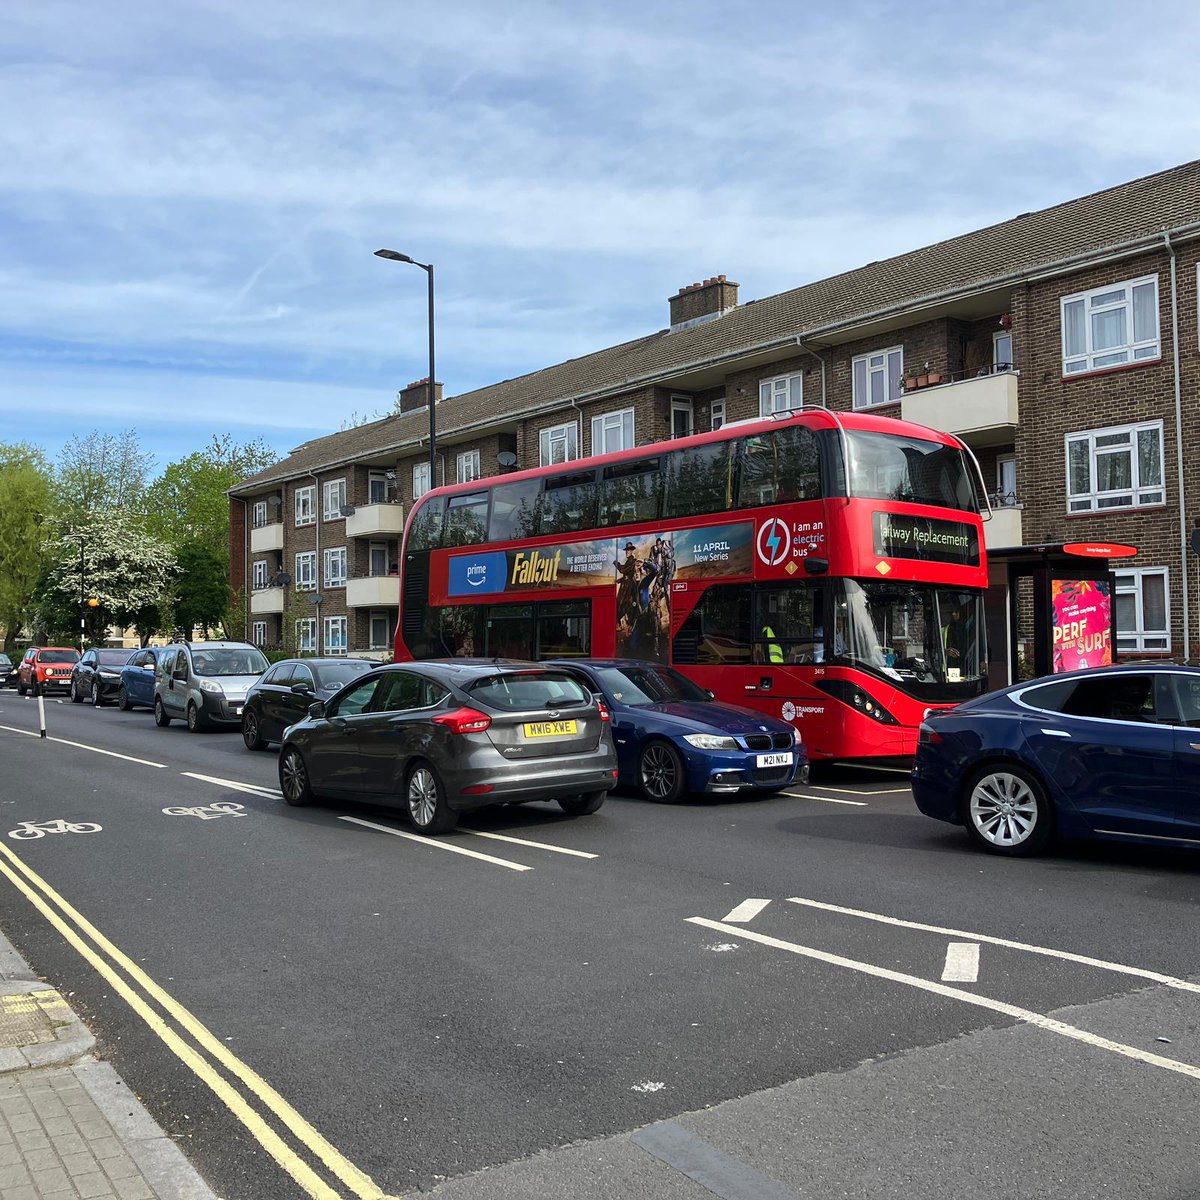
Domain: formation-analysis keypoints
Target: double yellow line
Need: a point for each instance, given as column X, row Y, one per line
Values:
column 138, row 990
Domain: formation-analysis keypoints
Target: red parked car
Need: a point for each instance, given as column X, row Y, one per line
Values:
column 46, row 669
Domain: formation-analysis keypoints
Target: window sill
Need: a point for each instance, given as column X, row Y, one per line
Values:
column 1111, row 512
column 305, row 524
column 331, row 520
column 882, row 403
column 1130, row 366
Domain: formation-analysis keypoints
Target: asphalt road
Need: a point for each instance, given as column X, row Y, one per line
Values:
column 740, row 998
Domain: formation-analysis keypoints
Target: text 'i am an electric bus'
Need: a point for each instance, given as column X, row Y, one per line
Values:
column 827, row 568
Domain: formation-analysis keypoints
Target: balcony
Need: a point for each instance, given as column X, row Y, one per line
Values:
column 266, row 537
column 982, row 410
column 376, row 520
column 375, row 591
column 266, row 600
column 1004, row 529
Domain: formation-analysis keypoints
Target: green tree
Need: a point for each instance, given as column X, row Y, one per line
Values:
column 201, row 587
column 101, row 472
column 128, row 572
column 25, row 501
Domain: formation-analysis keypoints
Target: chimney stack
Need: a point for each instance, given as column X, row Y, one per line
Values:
column 700, row 302
column 416, row 395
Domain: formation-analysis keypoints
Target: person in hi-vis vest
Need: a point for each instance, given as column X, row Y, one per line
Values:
column 774, row 649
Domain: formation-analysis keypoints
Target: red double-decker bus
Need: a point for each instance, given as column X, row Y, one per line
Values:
column 823, row 567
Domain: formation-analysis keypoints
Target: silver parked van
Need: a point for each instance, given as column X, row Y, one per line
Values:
column 205, row 683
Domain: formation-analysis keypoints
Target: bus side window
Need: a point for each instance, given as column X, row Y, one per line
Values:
column 466, row 519
column 569, row 503
column 699, row 479
column 516, row 508
column 778, row 466
column 425, row 530
column 632, row 492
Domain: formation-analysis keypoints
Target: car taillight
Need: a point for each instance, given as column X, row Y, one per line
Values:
column 928, row 736
column 605, row 715
column 464, row 720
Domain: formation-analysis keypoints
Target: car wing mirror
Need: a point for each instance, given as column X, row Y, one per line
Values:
column 302, row 689
column 316, row 709
column 710, row 693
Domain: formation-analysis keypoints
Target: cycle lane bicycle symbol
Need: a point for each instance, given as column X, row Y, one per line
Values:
column 26, row 830
column 208, row 812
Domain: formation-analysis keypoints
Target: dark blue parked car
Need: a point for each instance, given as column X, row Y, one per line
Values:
column 1112, row 753
column 137, row 680
column 673, row 738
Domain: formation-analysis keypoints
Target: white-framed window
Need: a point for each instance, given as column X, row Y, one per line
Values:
column 380, row 630
column 259, row 514
column 306, row 635
column 377, row 559
column 559, row 443
column 335, row 499
column 780, row 394
column 682, row 417
column 306, row 504
column 718, row 414
column 421, row 482
column 1006, row 481
column 335, row 635
column 258, row 633
column 335, row 566
column 468, row 466
column 875, row 378
column 377, row 487
column 1117, row 467
column 306, row 571
column 612, row 431
column 261, row 572
column 1109, row 326
column 1143, row 609
column 1002, row 350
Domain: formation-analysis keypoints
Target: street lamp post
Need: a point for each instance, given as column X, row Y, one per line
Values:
column 78, row 537
column 396, row 256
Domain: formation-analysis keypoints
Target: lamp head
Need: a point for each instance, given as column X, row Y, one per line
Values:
column 394, row 255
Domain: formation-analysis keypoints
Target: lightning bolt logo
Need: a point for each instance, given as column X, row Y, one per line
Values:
column 773, row 542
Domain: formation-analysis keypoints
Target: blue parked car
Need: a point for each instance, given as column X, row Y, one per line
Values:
column 137, row 680
column 1112, row 753
column 673, row 738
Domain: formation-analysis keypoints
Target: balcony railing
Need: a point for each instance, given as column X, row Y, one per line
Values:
column 374, row 591
column 376, row 520
column 981, row 409
column 266, row 538
column 266, row 600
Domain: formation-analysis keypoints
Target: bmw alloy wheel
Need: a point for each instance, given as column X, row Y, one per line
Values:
column 661, row 773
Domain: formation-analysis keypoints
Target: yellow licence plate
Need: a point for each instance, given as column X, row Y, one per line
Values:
column 549, row 728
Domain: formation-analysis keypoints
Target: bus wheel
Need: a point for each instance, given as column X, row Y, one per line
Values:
column 661, row 774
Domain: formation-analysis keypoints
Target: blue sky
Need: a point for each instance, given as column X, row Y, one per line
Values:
column 190, row 193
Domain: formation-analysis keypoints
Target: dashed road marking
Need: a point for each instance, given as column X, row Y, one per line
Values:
column 746, row 911
column 828, row 799
column 816, row 787
column 952, row 993
column 1172, row 981
column 253, row 789
column 962, row 963
column 83, row 746
column 437, row 845
column 516, row 841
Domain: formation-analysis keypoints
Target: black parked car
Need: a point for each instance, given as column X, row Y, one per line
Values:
column 8, row 672
column 442, row 738
column 97, row 675
column 283, row 695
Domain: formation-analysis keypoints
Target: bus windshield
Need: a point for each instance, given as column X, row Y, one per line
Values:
column 891, row 466
column 913, row 633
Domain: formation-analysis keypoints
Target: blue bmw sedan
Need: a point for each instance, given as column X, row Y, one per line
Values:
column 1112, row 754
column 673, row 738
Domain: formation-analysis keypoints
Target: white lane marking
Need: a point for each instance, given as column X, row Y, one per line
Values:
column 860, row 766
column 428, row 841
column 1182, row 985
column 82, row 746
column 252, row 788
column 516, row 841
column 747, row 910
column 952, row 993
column 962, row 963
column 828, row 799
column 861, row 791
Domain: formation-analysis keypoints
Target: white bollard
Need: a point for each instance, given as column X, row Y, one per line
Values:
column 41, row 712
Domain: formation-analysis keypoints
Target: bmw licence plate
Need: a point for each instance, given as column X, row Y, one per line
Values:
column 775, row 760
column 535, row 729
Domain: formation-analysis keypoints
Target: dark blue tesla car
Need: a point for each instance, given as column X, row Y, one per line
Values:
column 673, row 738
column 1112, row 753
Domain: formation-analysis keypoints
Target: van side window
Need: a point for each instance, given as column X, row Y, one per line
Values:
column 181, row 664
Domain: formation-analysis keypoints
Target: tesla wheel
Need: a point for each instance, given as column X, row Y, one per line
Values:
column 97, row 698
column 160, row 714
column 76, row 698
column 251, row 734
column 661, row 774
column 1006, row 811
column 580, row 806
column 425, row 799
column 195, row 718
column 123, row 701
column 293, row 778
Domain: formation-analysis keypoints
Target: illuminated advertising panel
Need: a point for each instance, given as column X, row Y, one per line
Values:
column 1081, row 621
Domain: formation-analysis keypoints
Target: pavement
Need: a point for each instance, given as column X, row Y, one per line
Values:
column 69, row 1125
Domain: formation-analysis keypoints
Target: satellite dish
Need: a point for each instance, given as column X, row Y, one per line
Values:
column 316, row 598
column 274, row 502
column 506, row 459
column 347, row 510
column 282, row 579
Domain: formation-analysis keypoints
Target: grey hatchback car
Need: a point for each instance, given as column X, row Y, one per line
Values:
column 442, row 738
column 205, row 683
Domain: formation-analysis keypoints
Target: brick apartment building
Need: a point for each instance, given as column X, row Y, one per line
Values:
column 1062, row 346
